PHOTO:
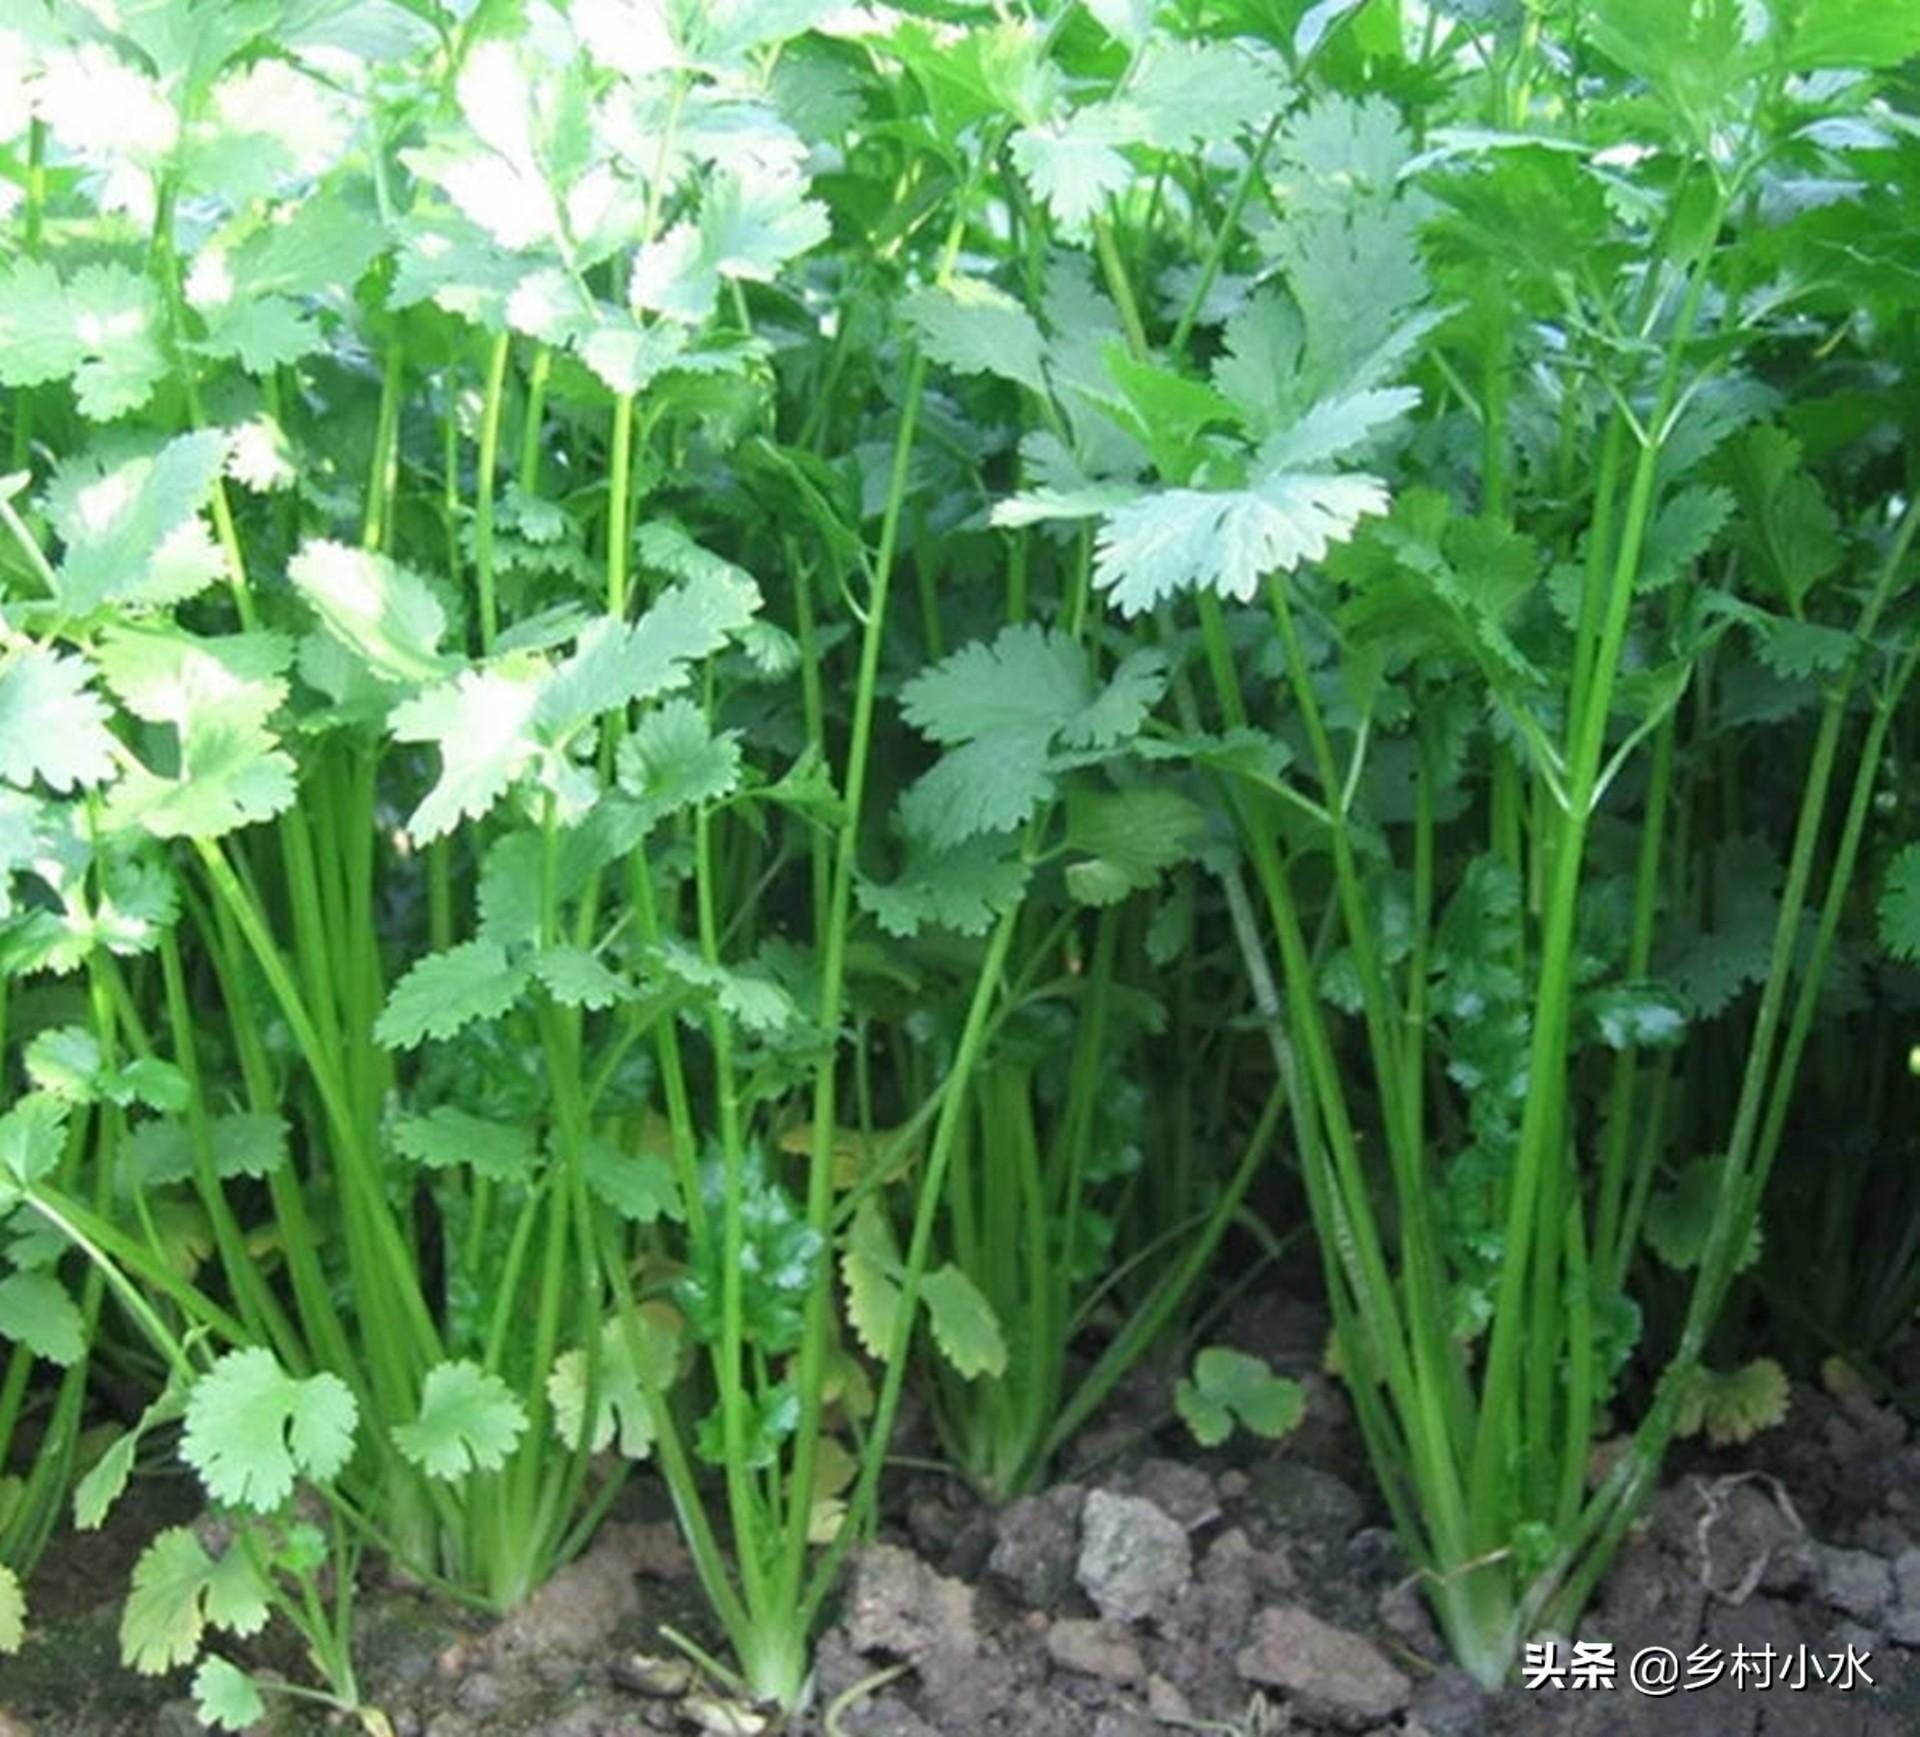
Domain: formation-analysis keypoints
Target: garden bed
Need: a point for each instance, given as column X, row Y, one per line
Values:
column 1154, row 1589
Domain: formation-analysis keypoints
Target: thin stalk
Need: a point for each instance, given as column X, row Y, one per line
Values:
column 966, row 1056
column 376, row 530
column 1542, row 1140
column 484, row 479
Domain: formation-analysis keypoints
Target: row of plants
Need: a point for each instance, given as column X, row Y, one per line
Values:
column 711, row 712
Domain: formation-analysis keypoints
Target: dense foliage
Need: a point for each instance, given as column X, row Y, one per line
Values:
column 710, row 707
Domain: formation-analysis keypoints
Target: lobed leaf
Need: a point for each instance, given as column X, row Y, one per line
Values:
column 965, row 1328
column 469, row 1421
column 225, row 1697
column 163, row 1619
column 251, row 1429
column 449, row 1136
column 445, row 992
column 53, row 726
column 1226, row 540
column 972, row 327
column 37, row 1312
column 1899, row 907
column 386, row 615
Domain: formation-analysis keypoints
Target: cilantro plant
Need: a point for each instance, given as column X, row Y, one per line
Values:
column 644, row 645
column 1467, row 442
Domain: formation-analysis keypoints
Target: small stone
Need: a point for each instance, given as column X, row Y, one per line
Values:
column 1374, row 1554
column 723, row 1718
column 898, row 1605
column 1096, row 1649
column 1134, row 1557
column 967, row 1556
column 1166, row 1700
column 1447, row 1704
column 662, row 1679
column 1308, row 1505
column 1176, row 1488
column 1864, row 1641
column 1883, row 1428
column 1233, row 1484
column 1124, row 1724
column 933, row 1523
column 1339, row 1677
column 1404, row 1615
column 1855, row 1582
column 1037, row 1540
column 481, row 1692
column 1903, row 1620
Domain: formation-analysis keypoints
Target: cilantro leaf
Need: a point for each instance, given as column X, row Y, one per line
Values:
column 1127, row 839
column 65, row 1060
column 1229, row 1386
column 101, row 329
column 964, row 1325
column 1001, row 706
column 251, row 1428
column 575, row 977
column 225, row 1697
column 991, row 785
column 53, row 726
column 1784, row 521
column 35, row 1311
column 1192, row 93
column 480, row 723
column 640, row 1186
column 870, row 1268
column 31, row 1133
column 964, row 888
column 377, row 609
column 106, row 1480
column 447, row 991
column 673, row 760
column 630, row 1368
column 753, row 219
column 231, row 775
column 1900, row 906
column 448, row 1136
column 1227, row 540
column 1335, row 426
column 170, row 676
column 163, row 1619
column 756, row 1001
column 617, row 665
column 1073, row 168
column 1734, row 1406
column 1629, row 1015
column 468, row 1421
column 131, row 524
column 973, row 327
column 236, row 1598
column 1682, row 531
column 1027, row 679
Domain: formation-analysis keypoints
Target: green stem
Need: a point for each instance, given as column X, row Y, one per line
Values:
column 483, row 488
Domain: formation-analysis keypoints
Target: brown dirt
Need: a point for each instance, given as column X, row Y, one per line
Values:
column 1250, row 1592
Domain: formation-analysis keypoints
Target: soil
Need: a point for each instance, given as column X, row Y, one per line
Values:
column 1250, row 1592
